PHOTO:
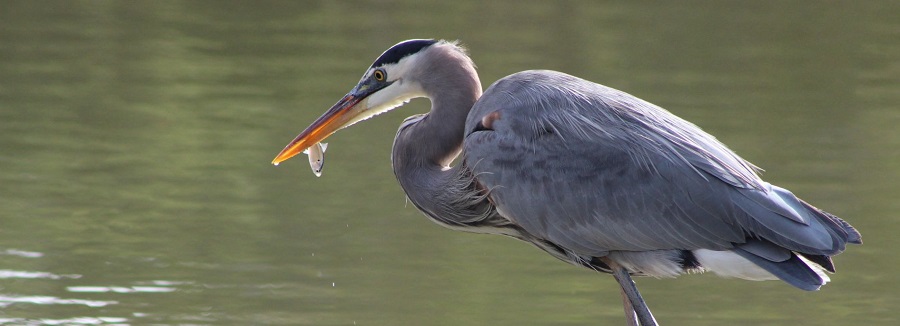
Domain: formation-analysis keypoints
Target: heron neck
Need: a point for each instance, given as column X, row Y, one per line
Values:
column 424, row 149
column 436, row 138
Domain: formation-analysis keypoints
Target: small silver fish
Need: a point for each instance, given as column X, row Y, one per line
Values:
column 316, row 157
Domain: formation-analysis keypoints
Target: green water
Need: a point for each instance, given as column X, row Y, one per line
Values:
column 135, row 141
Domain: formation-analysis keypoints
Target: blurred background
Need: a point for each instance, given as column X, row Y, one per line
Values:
column 136, row 136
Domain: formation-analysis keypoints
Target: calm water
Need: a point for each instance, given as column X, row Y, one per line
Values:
column 135, row 140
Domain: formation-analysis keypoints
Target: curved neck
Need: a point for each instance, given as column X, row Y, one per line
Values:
column 426, row 145
column 448, row 78
column 433, row 140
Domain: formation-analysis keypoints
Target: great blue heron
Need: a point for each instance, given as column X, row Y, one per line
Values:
column 592, row 175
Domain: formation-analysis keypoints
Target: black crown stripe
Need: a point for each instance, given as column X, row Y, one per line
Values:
column 401, row 50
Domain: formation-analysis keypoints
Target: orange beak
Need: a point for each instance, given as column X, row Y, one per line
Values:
column 335, row 118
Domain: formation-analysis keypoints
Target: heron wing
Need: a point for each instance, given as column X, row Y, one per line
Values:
column 595, row 169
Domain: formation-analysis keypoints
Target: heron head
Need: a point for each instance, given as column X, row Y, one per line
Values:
column 387, row 84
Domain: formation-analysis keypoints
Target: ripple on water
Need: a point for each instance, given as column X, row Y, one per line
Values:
column 5, row 273
column 22, row 253
column 66, row 321
column 6, row 300
column 119, row 289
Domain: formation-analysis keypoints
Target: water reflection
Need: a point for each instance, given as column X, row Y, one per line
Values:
column 43, row 300
column 22, row 253
column 68, row 321
column 136, row 138
column 27, row 274
column 120, row 289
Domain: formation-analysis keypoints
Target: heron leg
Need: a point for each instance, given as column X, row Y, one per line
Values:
column 631, row 298
column 630, row 316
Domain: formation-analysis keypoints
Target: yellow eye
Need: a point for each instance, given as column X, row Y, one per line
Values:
column 379, row 75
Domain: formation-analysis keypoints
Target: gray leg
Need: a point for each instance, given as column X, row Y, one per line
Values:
column 631, row 298
column 630, row 316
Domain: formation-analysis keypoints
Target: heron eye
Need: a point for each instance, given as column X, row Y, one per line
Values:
column 379, row 75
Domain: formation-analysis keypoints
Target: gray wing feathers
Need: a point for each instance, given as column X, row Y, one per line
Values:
column 649, row 128
column 595, row 169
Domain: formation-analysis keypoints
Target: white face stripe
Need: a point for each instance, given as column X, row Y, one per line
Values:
column 399, row 92
column 402, row 69
column 397, row 70
column 394, row 95
column 387, row 99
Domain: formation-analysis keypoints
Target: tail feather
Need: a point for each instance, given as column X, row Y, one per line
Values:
column 821, row 260
column 793, row 270
column 848, row 232
column 787, row 221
